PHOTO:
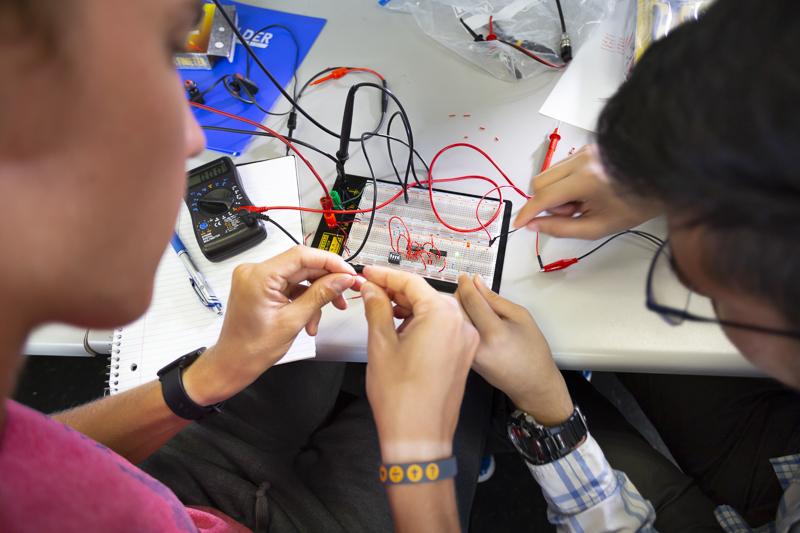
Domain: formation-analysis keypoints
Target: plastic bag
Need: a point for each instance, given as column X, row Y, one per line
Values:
column 655, row 19
column 522, row 39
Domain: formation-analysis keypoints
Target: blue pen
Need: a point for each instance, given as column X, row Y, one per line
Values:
column 198, row 281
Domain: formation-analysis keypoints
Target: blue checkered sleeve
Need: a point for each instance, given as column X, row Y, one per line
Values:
column 584, row 493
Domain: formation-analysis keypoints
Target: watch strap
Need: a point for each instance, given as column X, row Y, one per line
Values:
column 416, row 473
column 539, row 444
column 175, row 396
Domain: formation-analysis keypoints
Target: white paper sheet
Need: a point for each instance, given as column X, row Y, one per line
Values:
column 597, row 71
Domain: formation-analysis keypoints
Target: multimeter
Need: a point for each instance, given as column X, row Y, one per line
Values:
column 213, row 197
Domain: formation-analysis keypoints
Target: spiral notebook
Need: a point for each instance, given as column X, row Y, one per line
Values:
column 176, row 323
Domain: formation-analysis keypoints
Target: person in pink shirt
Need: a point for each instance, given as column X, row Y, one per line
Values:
column 94, row 133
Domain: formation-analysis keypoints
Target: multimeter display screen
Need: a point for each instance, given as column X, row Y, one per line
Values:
column 211, row 173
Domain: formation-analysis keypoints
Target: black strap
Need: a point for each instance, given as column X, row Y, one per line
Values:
column 171, row 377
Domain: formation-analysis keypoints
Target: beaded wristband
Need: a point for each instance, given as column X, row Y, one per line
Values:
column 413, row 473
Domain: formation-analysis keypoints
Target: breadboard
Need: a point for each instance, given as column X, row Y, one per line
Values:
column 407, row 235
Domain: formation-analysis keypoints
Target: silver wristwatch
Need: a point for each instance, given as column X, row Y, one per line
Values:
column 541, row 445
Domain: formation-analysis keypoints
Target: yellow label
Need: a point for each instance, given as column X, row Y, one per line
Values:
column 414, row 473
column 396, row 474
column 331, row 242
column 432, row 471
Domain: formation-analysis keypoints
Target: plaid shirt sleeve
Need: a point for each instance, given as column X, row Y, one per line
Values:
column 584, row 493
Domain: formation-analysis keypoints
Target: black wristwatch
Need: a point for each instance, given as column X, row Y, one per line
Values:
column 541, row 445
column 171, row 377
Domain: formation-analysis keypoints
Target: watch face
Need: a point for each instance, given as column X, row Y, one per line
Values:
column 522, row 440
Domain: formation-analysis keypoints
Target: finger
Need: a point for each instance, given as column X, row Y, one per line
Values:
column 477, row 308
column 565, row 191
column 295, row 291
column 300, row 262
column 312, row 328
column 380, row 319
column 565, row 210
column 321, row 292
column 401, row 312
column 408, row 290
column 582, row 227
column 499, row 305
column 555, row 173
column 584, row 158
column 340, row 302
column 407, row 321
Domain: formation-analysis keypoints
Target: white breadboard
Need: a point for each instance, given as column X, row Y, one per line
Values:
column 434, row 251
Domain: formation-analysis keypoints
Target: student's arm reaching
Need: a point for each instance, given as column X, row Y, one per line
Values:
column 583, row 492
column 575, row 198
column 415, row 383
column 267, row 308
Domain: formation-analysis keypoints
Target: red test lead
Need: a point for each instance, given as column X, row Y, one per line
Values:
column 343, row 71
column 551, row 149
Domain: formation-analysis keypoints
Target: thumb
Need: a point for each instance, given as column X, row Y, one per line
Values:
column 320, row 293
column 498, row 304
column 380, row 316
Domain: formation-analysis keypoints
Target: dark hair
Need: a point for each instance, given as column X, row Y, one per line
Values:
column 708, row 124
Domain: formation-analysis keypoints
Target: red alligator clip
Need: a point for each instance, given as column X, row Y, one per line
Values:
column 561, row 264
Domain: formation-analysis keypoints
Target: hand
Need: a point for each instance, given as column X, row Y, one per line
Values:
column 579, row 186
column 267, row 308
column 513, row 354
column 415, row 374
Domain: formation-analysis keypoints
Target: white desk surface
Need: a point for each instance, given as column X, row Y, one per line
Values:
column 593, row 313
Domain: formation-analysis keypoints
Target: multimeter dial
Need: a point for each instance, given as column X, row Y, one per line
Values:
column 213, row 198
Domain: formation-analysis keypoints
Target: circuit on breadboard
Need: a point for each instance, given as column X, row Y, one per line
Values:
column 407, row 235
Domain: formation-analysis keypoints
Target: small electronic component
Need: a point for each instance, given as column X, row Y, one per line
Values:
column 434, row 251
column 395, row 258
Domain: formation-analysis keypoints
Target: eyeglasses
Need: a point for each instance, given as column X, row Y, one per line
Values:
column 668, row 296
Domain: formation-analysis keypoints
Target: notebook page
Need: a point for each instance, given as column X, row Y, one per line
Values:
column 176, row 322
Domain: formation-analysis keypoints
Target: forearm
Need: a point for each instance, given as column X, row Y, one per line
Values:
column 134, row 424
column 424, row 507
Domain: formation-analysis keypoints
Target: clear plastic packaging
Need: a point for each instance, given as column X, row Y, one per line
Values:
column 655, row 19
column 531, row 25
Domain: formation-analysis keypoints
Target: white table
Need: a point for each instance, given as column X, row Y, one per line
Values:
column 593, row 313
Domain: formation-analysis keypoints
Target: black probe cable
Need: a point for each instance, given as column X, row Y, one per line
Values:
column 248, row 63
column 363, row 140
column 347, row 124
column 269, row 75
column 389, row 138
column 642, row 234
column 561, row 17
column 228, row 80
column 266, row 134
column 262, row 216
column 364, row 137
column 292, row 122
